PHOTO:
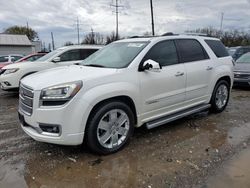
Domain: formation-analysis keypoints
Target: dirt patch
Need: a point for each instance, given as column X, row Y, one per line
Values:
column 183, row 153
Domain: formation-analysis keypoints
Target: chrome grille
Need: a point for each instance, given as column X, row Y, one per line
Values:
column 26, row 100
column 242, row 75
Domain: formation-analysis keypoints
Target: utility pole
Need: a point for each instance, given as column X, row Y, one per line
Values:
column 92, row 36
column 221, row 22
column 117, row 6
column 77, row 25
column 53, row 42
column 152, row 17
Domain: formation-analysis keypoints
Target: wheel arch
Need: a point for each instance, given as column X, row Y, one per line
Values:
column 122, row 98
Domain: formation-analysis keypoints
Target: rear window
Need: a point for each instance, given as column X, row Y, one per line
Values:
column 218, row 48
column 190, row 50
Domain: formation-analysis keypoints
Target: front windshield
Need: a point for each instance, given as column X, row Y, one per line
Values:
column 115, row 55
column 244, row 58
column 49, row 55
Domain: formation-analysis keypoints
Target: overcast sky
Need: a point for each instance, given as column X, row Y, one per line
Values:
column 59, row 16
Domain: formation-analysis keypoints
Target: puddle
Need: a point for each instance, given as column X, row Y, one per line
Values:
column 234, row 174
column 239, row 134
column 11, row 177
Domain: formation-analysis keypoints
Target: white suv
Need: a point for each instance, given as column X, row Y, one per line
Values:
column 127, row 84
column 11, row 75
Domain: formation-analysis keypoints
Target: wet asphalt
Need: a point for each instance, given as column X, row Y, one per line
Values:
column 202, row 150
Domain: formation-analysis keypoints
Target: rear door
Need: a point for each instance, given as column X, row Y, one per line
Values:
column 162, row 92
column 198, row 67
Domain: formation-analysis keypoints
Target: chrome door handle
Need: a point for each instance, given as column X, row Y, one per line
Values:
column 209, row 68
column 179, row 74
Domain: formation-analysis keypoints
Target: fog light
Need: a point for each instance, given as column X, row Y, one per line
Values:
column 50, row 128
column 7, row 83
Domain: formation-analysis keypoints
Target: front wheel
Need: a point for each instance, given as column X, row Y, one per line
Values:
column 110, row 127
column 220, row 96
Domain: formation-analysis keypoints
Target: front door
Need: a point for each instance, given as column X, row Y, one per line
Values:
column 163, row 92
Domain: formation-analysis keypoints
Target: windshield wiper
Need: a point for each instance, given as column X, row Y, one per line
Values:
column 94, row 65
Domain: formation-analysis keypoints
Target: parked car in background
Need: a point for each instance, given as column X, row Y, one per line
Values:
column 8, row 59
column 31, row 57
column 11, row 75
column 240, row 51
column 232, row 50
column 242, row 71
column 127, row 84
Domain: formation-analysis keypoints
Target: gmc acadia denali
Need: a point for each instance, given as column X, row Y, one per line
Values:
column 127, row 84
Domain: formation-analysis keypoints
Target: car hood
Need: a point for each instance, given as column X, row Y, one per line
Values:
column 62, row 75
column 23, row 64
column 243, row 67
column 3, row 64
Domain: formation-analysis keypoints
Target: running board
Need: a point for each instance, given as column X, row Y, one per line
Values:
column 178, row 115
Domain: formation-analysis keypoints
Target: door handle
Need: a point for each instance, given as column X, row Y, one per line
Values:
column 209, row 68
column 179, row 74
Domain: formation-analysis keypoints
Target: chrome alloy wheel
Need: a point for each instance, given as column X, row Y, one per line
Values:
column 113, row 128
column 221, row 96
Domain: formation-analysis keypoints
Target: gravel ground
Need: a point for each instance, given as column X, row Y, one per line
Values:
column 186, row 153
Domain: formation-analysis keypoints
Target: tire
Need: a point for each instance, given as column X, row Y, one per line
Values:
column 110, row 127
column 220, row 97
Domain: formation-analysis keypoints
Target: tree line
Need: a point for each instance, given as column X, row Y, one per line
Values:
column 229, row 38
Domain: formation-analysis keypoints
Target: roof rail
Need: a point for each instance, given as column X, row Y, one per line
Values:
column 197, row 34
column 169, row 34
column 141, row 37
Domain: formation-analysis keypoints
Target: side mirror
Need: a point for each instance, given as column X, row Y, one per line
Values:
column 152, row 66
column 56, row 59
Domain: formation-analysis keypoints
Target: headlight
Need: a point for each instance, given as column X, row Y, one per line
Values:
column 9, row 71
column 61, row 92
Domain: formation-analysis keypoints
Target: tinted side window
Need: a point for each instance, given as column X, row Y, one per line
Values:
column 15, row 58
column 164, row 53
column 4, row 58
column 218, row 48
column 71, row 55
column 190, row 50
column 87, row 52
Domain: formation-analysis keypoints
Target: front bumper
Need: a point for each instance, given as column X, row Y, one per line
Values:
column 9, row 82
column 71, row 118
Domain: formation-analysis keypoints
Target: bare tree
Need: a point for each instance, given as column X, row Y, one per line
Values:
column 93, row 38
column 68, row 43
column 111, row 38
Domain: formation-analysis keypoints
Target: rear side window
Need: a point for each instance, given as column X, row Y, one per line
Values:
column 71, row 55
column 190, row 50
column 164, row 53
column 218, row 48
column 87, row 52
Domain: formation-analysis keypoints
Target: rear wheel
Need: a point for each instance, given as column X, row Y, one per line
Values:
column 110, row 127
column 220, row 96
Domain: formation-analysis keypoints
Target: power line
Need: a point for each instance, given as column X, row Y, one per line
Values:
column 152, row 17
column 117, row 6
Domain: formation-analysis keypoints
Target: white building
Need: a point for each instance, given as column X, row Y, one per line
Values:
column 17, row 44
